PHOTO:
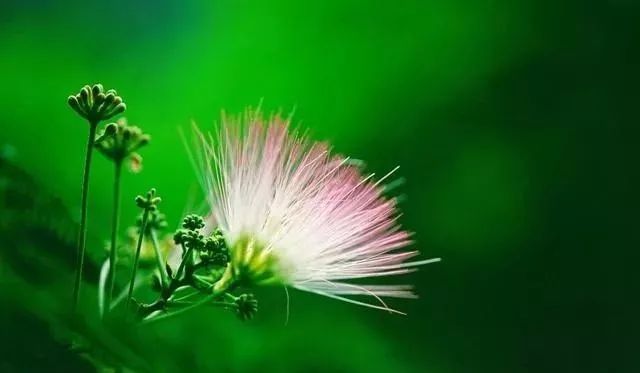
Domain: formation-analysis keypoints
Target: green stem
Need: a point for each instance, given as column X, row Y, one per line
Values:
column 200, row 282
column 219, row 304
column 111, row 279
column 183, row 262
column 199, row 303
column 82, row 235
column 102, row 286
column 159, row 261
column 224, row 284
column 184, row 298
column 143, row 226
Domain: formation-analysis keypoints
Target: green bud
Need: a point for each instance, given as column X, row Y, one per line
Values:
column 120, row 142
column 219, row 258
column 99, row 98
column 193, row 239
column 78, row 97
column 120, row 108
column 140, row 202
column 110, row 129
column 157, row 221
column 149, row 203
column 96, row 89
column 95, row 105
column 180, row 236
column 144, row 140
column 247, row 306
column 193, row 222
column 216, row 242
column 109, row 98
column 75, row 105
column 84, row 93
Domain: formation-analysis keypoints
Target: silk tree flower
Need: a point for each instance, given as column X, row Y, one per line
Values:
column 295, row 214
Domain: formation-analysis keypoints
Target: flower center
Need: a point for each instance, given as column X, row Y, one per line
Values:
column 254, row 264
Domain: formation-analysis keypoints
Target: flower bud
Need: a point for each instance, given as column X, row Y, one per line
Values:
column 247, row 306
column 75, row 105
column 110, row 129
column 97, row 89
column 99, row 98
column 193, row 222
column 93, row 104
column 85, row 92
column 180, row 236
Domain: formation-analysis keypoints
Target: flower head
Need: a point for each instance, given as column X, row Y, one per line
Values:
column 294, row 214
column 94, row 104
column 119, row 141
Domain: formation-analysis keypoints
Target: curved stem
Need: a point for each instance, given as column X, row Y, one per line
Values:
column 159, row 261
column 220, row 288
column 111, row 279
column 82, row 235
column 199, row 303
column 143, row 226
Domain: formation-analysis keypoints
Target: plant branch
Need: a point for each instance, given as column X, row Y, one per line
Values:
column 111, row 279
column 82, row 235
column 159, row 261
column 199, row 303
column 145, row 217
column 186, row 257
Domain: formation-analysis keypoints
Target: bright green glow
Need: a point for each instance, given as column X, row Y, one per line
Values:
column 368, row 78
column 254, row 264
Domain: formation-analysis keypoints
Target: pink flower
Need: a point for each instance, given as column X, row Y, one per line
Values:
column 295, row 214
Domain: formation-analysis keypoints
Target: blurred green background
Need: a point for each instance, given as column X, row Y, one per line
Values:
column 514, row 123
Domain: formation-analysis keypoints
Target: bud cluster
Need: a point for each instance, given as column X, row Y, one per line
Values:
column 214, row 250
column 118, row 141
column 157, row 221
column 149, row 202
column 246, row 306
column 193, row 222
column 205, row 263
column 94, row 104
column 211, row 250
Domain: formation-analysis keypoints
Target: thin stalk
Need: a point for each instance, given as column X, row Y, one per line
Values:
column 184, row 298
column 122, row 296
column 82, row 235
column 225, row 283
column 143, row 226
column 185, row 258
column 102, row 286
column 159, row 261
column 111, row 279
column 219, row 304
column 198, row 281
column 199, row 303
